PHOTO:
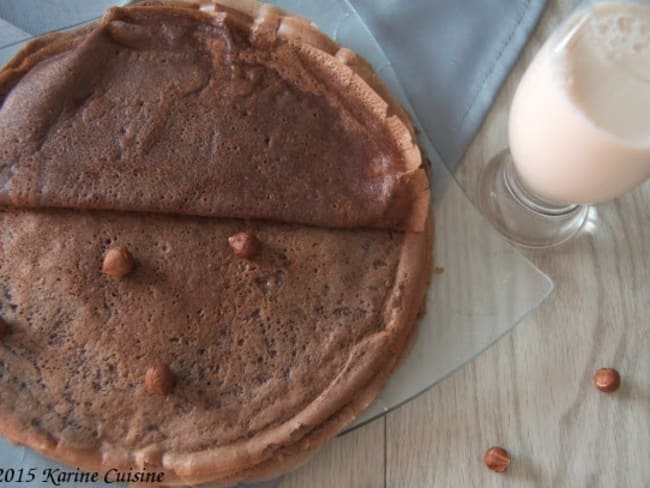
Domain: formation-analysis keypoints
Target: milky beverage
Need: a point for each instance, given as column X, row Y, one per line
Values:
column 580, row 120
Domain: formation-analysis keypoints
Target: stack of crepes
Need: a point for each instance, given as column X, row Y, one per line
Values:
column 165, row 128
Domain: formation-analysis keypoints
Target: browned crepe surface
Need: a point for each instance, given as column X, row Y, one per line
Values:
column 242, row 112
column 179, row 111
column 241, row 335
column 254, row 344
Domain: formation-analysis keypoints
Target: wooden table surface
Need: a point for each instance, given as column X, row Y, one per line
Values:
column 531, row 393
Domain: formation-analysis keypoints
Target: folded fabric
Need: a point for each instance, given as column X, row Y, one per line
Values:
column 9, row 33
column 451, row 57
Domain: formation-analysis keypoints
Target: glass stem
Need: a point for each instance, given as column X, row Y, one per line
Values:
column 528, row 198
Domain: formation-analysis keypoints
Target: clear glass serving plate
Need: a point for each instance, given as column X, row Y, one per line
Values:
column 482, row 287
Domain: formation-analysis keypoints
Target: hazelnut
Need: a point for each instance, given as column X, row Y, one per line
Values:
column 4, row 328
column 160, row 380
column 497, row 459
column 244, row 244
column 607, row 380
column 118, row 262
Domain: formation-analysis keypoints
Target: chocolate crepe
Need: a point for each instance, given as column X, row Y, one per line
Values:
column 157, row 130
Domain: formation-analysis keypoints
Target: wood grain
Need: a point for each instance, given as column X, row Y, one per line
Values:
column 531, row 393
column 353, row 459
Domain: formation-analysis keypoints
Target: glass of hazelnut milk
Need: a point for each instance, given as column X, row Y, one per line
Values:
column 579, row 127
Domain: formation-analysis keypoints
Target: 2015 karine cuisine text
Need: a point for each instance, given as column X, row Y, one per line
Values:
column 59, row 477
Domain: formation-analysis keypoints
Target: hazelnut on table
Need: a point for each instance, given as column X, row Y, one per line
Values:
column 607, row 380
column 4, row 328
column 497, row 459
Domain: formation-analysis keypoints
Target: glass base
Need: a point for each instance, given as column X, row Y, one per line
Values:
column 523, row 218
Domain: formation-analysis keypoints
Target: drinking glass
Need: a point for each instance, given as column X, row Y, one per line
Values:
column 579, row 126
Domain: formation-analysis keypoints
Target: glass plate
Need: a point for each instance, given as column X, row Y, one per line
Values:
column 482, row 289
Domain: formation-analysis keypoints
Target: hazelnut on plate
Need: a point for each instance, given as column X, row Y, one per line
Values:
column 160, row 380
column 244, row 244
column 118, row 262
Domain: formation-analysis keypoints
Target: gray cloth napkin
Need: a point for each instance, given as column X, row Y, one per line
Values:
column 9, row 33
column 451, row 57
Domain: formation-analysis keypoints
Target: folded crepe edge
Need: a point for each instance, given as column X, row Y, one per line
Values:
column 349, row 74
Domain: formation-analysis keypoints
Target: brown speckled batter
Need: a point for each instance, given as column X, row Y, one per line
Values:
column 163, row 131
column 241, row 336
column 181, row 112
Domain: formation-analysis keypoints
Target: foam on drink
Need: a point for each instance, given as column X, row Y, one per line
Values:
column 610, row 71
